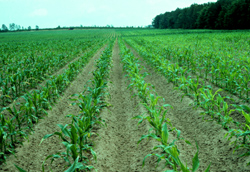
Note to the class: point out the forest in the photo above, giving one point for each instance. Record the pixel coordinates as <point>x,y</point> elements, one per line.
<point>223,14</point>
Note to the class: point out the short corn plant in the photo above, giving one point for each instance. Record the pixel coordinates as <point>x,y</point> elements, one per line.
<point>90,107</point>
<point>156,116</point>
<point>75,135</point>
<point>75,139</point>
<point>170,152</point>
<point>215,106</point>
<point>6,143</point>
<point>241,135</point>
<point>209,103</point>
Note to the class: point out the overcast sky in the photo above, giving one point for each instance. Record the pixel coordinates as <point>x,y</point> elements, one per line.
<point>51,13</point>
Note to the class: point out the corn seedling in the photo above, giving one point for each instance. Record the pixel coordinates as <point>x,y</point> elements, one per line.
<point>156,116</point>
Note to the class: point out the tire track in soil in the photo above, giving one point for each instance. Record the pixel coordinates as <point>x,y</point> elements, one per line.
<point>30,156</point>
<point>116,146</point>
<point>209,135</point>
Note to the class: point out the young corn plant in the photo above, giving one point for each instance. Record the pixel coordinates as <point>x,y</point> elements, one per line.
<point>209,101</point>
<point>226,118</point>
<point>170,153</point>
<point>75,142</point>
<point>36,102</point>
<point>194,87</point>
<point>89,108</point>
<point>241,135</point>
<point>75,136</point>
<point>5,147</point>
<point>156,116</point>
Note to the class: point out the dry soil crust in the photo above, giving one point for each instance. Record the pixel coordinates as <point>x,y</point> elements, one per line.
<point>209,135</point>
<point>30,156</point>
<point>116,147</point>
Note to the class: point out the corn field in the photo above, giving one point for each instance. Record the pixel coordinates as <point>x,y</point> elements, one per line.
<point>125,100</point>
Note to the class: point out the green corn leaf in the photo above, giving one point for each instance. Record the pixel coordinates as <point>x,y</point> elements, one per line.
<point>178,133</point>
<point>165,134</point>
<point>20,169</point>
<point>137,117</point>
<point>168,105</point>
<point>196,161</point>
<point>93,153</point>
<point>208,168</point>
<point>74,135</point>
<point>247,117</point>
<point>217,92</point>
<point>49,135</point>
<point>143,162</point>
<point>184,168</point>
<point>45,137</point>
<point>248,127</point>
<point>174,153</point>
<point>148,136</point>
<point>75,165</point>
<point>73,149</point>
<point>246,108</point>
<point>188,142</point>
<point>53,156</point>
<point>64,129</point>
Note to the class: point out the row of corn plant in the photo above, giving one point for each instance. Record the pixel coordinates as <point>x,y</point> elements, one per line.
<point>240,137</point>
<point>227,72</point>
<point>17,78</point>
<point>17,121</point>
<point>76,136</point>
<point>212,102</point>
<point>156,116</point>
<point>16,55</point>
<point>203,95</point>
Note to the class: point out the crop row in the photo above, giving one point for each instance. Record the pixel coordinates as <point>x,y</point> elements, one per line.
<point>76,136</point>
<point>15,56</point>
<point>16,125</point>
<point>17,78</point>
<point>156,115</point>
<point>222,69</point>
<point>212,102</point>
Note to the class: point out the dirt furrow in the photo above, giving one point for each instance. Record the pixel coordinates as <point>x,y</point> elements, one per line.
<point>209,135</point>
<point>42,83</point>
<point>116,146</point>
<point>30,156</point>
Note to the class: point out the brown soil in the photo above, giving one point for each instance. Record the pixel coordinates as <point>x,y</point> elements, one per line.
<point>209,135</point>
<point>116,147</point>
<point>42,83</point>
<point>31,155</point>
<point>116,144</point>
<point>236,115</point>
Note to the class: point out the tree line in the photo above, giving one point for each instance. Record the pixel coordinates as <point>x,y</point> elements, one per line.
<point>15,27</point>
<point>223,14</point>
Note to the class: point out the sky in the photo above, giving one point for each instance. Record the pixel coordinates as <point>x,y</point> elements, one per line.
<point>52,13</point>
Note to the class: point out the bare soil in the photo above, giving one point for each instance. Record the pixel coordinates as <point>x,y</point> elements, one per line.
<point>42,83</point>
<point>213,148</point>
<point>31,155</point>
<point>116,144</point>
<point>116,147</point>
